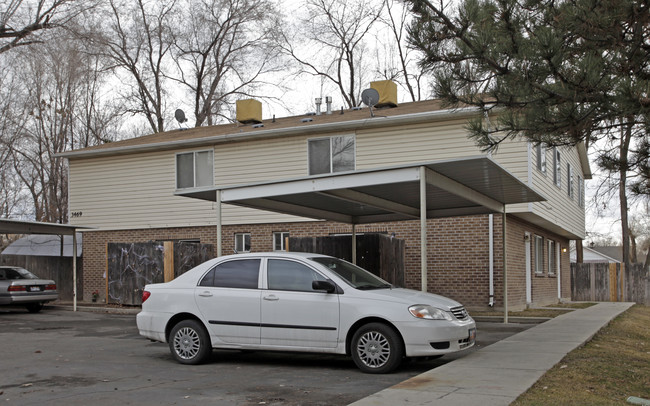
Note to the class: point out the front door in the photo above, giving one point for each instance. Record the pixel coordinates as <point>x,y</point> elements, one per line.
<point>295,315</point>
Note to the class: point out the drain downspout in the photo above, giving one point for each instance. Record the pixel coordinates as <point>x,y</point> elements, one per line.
<point>491,261</point>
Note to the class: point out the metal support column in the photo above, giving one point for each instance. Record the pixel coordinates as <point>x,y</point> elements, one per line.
<point>219,223</point>
<point>354,243</point>
<point>423,227</point>
<point>505,270</point>
<point>74,269</point>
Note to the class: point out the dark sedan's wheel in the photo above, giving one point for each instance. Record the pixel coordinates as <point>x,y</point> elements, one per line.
<point>34,307</point>
<point>377,349</point>
<point>189,342</point>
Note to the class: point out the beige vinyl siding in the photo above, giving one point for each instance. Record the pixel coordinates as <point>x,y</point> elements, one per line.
<point>559,209</point>
<point>248,162</point>
<point>137,191</point>
<point>413,144</point>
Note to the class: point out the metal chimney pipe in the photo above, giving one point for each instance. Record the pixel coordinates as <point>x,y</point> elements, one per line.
<point>319,101</point>
<point>328,100</point>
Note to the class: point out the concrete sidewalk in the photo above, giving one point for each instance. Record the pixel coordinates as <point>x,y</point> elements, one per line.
<point>499,373</point>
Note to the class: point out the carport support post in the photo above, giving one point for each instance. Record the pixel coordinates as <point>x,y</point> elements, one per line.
<point>505,269</point>
<point>423,227</point>
<point>354,243</point>
<point>218,223</point>
<point>74,269</point>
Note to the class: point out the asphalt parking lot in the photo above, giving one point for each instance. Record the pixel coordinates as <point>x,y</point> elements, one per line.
<point>59,357</point>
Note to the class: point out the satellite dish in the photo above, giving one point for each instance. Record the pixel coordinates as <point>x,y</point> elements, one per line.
<point>180,116</point>
<point>370,97</point>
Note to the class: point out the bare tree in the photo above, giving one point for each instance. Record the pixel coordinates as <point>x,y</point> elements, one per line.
<point>23,22</point>
<point>334,39</point>
<point>224,49</point>
<point>51,114</point>
<point>400,63</point>
<point>137,37</point>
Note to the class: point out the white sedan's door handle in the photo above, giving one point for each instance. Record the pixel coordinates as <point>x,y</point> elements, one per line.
<point>205,293</point>
<point>271,297</point>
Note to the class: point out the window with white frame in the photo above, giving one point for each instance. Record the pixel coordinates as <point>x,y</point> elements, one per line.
<point>581,192</point>
<point>331,154</point>
<point>569,179</point>
<point>242,242</point>
<point>552,257</point>
<point>539,254</point>
<point>194,169</point>
<point>279,240</point>
<point>557,167</point>
<point>541,158</point>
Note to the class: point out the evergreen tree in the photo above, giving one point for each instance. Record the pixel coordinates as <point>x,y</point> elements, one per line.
<point>557,72</point>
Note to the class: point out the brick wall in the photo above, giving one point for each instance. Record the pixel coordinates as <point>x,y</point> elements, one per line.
<point>458,257</point>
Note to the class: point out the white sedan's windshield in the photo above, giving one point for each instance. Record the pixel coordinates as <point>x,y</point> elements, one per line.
<point>357,277</point>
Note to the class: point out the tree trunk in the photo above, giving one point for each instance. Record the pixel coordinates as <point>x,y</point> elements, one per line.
<point>626,136</point>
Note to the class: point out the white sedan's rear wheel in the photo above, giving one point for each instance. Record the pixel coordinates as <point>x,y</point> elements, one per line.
<point>189,342</point>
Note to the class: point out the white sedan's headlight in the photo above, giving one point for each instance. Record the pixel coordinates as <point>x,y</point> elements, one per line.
<point>429,312</point>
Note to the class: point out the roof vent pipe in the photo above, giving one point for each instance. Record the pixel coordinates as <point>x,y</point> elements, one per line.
<point>319,101</point>
<point>328,100</point>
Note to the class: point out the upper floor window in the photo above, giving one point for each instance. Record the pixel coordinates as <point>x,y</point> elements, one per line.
<point>541,158</point>
<point>569,179</point>
<point>194,169</point>
<point>279,241</point>
<point>557,167</point>
<point>331,154</point>
<point>581,192</point>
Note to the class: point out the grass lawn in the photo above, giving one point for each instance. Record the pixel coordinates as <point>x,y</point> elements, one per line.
<point>553,311</point>
<point>614,365</point>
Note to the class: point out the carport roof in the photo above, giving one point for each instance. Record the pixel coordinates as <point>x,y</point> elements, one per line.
<point>475,185</point>
<point>8,226</point>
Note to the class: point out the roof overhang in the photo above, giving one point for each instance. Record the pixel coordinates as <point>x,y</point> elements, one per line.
<point>476,185</point>
<point>8,226</point>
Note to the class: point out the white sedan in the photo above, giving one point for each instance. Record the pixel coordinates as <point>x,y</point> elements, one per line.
<point>300,302</point>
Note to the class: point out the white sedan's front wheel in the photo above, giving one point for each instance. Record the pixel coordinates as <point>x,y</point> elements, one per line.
<point>377,348</point>
<point>189,342</point>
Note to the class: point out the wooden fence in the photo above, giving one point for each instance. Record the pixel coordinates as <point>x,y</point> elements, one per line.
<point>610,283</point>
<point>130,266</point>
<point>377,253</point>
<point>58,269</point>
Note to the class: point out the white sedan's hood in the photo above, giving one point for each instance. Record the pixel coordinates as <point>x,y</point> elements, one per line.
<point>411,297</point>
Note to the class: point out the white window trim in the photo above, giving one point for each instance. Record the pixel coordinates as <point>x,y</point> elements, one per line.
<point>243,242</point>
<point>538,255</point>
<point>570,181</point>
<point>194,153</point>
<point>557,167</point>
<point>552,257</point>
<point>283,235</point>
<point>541,158</point>
<point>331,154</point>
<point>581,192</point>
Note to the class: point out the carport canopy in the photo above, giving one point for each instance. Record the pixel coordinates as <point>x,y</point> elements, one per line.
<point>8,226</point>
<point>458,187</point>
